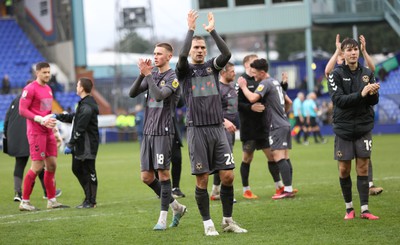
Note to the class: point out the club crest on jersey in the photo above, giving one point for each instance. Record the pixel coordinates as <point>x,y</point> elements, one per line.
<point>209,70</point>
<point>260,87</point>
<point>175,83</point>
<point>365,79</point>
<point>24,94</point>
<point>162,83</point>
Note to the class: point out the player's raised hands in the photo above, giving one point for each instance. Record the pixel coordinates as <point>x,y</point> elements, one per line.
<point>338,43</point>
<point>145,66</point>
<point>191,19</point>
<point>363,43</point>
<point>211,22</point>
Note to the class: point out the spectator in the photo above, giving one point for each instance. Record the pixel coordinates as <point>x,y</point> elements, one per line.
<point>9,8</point>
<point>6,86</point>
<point>54,85</point>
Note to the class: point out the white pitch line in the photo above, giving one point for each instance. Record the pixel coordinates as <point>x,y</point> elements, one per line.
<point>58,218</point>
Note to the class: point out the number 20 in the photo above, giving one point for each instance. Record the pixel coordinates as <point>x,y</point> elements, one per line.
<point>229,159</point>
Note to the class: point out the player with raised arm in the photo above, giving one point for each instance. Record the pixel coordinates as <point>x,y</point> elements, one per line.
<point>337,58</point>
<point>354,92</point>
<point>155,153</point>
<point>209,150</point>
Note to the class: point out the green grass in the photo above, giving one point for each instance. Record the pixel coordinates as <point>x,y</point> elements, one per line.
<point>127,209</point>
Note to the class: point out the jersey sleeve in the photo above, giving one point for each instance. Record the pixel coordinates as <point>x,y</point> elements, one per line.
<point>262,88</point>
<point>82,120</point>
<point>339,98</point>
<point>25,102</point>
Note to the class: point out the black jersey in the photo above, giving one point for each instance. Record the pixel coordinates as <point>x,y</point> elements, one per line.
<point>353,115</point>
<point>159,114</point>
<point>252,124</point>
<point>200,87</point>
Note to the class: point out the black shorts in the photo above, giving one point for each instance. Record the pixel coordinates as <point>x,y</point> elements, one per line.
<point>155,152</point>
<point>176,152</point>
<point>251,145</point>
<point>313,122</point>
<point>298,121</point>
<point>347,150</point>
<point>209,150</point>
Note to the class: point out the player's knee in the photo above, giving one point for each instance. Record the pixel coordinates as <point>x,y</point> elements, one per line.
<point>227,178</point>
<point>247,157</point>
<point>362,171</point>
<point>344,171</point>
<point>147,178</point>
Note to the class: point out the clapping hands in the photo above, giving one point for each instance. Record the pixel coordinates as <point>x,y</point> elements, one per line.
<point>145,66</point>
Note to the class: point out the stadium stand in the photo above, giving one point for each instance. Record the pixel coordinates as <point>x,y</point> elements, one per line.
<point>67,100</point>
<point>17,52</point>
<point>5,101</point>
<point>389,103</point>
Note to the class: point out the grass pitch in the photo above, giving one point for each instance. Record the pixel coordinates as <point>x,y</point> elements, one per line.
<point>127,209</point>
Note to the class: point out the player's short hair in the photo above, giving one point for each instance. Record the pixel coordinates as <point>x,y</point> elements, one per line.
<point>260,64</point>
<point>229,64</point>
<point>167,46</point>
<point>86,84</point>
<point>348,43</point>
<point>249,57</point>
<point>195,37</point>
<point>42,65</point>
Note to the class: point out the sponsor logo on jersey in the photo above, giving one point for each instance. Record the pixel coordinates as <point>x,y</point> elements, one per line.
<point>175,83</point>
<point>346,79</point>
<point>365,79</point>
<point>260,87</point>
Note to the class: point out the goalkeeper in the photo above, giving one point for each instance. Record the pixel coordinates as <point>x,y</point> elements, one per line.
<point>35,105</point>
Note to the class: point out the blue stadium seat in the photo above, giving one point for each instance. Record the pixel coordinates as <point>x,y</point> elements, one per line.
<point>17,52</point>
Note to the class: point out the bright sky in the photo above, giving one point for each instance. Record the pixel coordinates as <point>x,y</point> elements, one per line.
<point>169,18</point>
